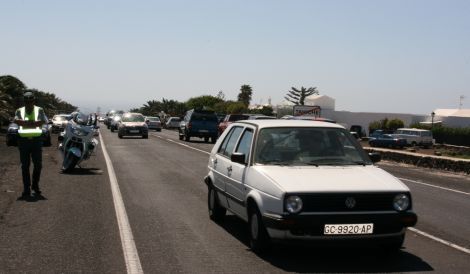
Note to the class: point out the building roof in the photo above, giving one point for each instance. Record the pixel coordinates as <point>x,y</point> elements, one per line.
<point>453,112</point>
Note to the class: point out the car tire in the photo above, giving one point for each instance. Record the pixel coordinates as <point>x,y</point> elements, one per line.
<point>206,139</point>
<point>145,136</point>
<point>213,139</point>
<point>159,129</point>
<point>259,238</point>
<point>216,211</point>
<point>394,244</point>
<point>112,129</point>
<point>187,137</point>
<point>120,136</point>
<point>181,137</point>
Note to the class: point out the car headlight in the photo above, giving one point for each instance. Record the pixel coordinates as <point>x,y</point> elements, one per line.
<point>79,132</point>
<point>401,202</point>
<point>293,204</point>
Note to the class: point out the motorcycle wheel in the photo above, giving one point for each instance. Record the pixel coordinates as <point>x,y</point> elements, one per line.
<point>70,161</point>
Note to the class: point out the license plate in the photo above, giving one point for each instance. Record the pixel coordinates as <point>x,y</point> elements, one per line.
<point>133,131</point>
<point>203,130</point>
<point>347,229</point>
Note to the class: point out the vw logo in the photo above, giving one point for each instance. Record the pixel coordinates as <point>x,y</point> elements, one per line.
<point>350,202</point>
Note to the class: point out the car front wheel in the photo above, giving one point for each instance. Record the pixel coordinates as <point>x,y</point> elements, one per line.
<point>259,238</point>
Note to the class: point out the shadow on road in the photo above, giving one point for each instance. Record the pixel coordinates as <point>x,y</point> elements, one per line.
<point>84,171</point>
<point>32,199</point>
<point>311,258</point>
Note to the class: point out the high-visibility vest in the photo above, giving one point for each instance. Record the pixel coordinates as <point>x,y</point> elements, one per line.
<point>29,132</point>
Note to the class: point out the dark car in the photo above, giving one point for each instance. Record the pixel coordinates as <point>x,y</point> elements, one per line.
<point>199,123</point>
<point>12,135</point>
<point>387,140</point>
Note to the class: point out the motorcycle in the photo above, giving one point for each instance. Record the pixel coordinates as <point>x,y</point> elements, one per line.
<point>77,141</point>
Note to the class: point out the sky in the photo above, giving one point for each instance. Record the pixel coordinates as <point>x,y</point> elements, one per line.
<point>401,56</point>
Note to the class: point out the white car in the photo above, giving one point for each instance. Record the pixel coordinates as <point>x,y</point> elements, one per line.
<point>305,180</point>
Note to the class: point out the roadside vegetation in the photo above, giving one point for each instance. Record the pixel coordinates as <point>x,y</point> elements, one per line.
<point>11,98</point>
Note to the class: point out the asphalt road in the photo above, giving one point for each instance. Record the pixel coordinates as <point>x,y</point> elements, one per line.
<point>160,179</point>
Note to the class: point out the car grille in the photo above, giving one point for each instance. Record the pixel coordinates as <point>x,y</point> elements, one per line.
<point>339,202</point>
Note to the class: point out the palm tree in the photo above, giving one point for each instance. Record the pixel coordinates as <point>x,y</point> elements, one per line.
<point>245,94</point>
<point>297,96</point>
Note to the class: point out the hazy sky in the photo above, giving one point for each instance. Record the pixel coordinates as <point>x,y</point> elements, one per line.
<point>405,56</point>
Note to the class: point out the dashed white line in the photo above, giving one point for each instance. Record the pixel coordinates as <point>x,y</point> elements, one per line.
<point>422,233</point>
<point>440,187</point>
<point>417,231</point>
<point>131,256</point>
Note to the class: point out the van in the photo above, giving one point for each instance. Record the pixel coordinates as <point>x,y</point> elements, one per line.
<point>415,137</point>
<point>199,123</point>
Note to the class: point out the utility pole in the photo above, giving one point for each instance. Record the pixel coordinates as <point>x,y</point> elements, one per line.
<point>461,101</point>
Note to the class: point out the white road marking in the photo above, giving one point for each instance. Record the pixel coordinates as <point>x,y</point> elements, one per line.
<point>440,187</point>
<point>127,239</point>
<point>422,233</point>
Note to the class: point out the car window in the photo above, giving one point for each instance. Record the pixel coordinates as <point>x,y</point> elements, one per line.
<point>225,141</point>
<point>245,143</point>
<point>231,141</point>
<point>204,117</point>
<point>153,119</point>
<point>133,118</point>
<point>237,117</point>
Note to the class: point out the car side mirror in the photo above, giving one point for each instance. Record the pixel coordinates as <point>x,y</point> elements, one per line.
<point>238,157</point>
<point>375,157</point>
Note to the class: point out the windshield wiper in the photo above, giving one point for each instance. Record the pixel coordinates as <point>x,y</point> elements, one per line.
<point>276,162</point>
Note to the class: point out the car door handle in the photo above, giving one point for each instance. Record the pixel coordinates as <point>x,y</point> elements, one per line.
<point>214,162</point>
<point>229,171</point>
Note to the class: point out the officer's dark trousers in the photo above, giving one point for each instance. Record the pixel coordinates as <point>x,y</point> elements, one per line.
<point>30,149</point>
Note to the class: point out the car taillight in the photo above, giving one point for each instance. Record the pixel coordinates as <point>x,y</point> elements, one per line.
<point>190,125</point>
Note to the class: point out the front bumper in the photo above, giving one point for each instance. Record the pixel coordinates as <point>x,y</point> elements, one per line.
<point>311,225</point>
<point>128,131</point>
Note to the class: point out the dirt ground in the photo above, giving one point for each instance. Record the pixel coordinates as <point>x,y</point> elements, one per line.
<point>11,185</point>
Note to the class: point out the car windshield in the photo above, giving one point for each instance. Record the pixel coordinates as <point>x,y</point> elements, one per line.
<point>59,118</point>
<point>154,119</point>
<point>314,146</point>
<point>132,118</point>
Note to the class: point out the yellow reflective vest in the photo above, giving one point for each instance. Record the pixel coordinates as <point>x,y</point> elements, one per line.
<point>29,132</point>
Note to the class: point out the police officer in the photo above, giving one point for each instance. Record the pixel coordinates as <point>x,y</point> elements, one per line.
<point>30,119</point>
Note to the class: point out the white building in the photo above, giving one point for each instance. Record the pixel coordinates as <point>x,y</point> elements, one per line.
<point>452,117</point>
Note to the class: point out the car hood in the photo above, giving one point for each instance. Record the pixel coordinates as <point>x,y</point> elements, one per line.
<point>332,179</point>
<point>133,124</point>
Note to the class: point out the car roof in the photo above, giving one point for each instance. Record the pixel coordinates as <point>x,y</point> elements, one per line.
<point>287,123</point>
<point>413,129</point>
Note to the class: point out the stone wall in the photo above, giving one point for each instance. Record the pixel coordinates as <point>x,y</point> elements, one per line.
<point>435,162</point>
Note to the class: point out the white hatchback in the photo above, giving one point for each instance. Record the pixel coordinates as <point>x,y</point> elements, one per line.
<point>305,180</point>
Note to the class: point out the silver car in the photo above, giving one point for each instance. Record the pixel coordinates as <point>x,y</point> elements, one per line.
<point>153,123</point>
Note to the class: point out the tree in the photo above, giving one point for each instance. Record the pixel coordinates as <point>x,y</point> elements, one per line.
<point>245,94</point>
<point>12,89</point>
<point>395,124</point>
<point>221,95</point>
<point>203,102</point>
<point>236,108</point>
<point>297,96</point>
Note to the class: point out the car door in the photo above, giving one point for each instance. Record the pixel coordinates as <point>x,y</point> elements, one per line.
<point>222,163</point>
<point>235,185</point>
<point>219,163</point>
